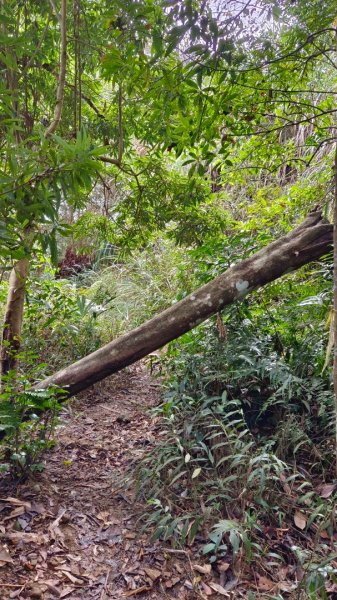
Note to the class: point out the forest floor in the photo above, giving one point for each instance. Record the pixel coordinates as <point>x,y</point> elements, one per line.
<point>74,531</point>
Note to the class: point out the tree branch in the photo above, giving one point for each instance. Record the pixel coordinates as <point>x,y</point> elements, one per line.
<point>291,124</point>
<point>110,161</point>
<point>57,14</point>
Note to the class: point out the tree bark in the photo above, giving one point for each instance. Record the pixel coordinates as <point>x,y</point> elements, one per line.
<point>309,241</point>
<point>12,325</point>
<point>334,322</point>
<point>11,335</point>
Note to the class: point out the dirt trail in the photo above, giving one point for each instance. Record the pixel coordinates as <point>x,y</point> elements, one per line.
<point>74,531</point>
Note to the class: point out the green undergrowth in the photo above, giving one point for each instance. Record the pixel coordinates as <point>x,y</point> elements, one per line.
<point>66,319</point>
<point>248,412</point>
<point>248,450</point>
<point>28,419</point>
<point>135,288</point>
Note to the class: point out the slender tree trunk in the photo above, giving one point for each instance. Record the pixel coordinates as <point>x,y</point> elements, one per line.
<point>335,295</point>
<point>11,335</point>
<point>309,241</point>
<point>62,74</point>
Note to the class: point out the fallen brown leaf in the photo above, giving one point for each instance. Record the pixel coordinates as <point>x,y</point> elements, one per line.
<point>265,584</point>
<point>5,557</point>
<point>71,577</point>
<point>285,586</point>
<point>170,583</point>
<point>27,538</point>
<point>206,589</point>
<point>327,490</point>
<point>219,589</point>
<point>140,590</point>
<point>16,593</point>
<point>66,592</point>
<point>20,510</point>
<point>17,502</point>
<point>300,520</point>
<point>58,519</point>
<point>324,534</point>
<point>152,573</point>
<point>204,569</point>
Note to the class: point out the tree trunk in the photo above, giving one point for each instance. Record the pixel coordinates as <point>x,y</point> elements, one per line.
<point>334,318</point>
<point>309,241</point>
<point>12,325</point>
<point>62,74</point>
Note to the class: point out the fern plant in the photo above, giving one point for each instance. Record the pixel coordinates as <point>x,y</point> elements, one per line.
<point>27,421</point>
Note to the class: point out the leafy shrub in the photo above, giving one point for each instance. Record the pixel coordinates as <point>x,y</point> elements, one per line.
<point>208,460</point>
<point>278,374</point>
<point>27,422</point>
<point>248,415</point>
<point>60,321</point>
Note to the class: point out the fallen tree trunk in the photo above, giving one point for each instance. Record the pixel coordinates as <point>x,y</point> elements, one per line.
<point>309,241</point>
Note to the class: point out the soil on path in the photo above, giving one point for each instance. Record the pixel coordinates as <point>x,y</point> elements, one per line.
<point>74,531</point>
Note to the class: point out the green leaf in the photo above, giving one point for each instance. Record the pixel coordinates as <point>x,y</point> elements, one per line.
<point>208,548</point>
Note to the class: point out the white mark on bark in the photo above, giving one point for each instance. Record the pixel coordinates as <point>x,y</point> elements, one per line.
<point>242,287</point>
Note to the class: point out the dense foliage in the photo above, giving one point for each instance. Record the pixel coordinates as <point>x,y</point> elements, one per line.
<point>190,135</point>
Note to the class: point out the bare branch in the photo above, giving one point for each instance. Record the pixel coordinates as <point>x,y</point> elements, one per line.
<point>57,14</point>
<point>110,161</point>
